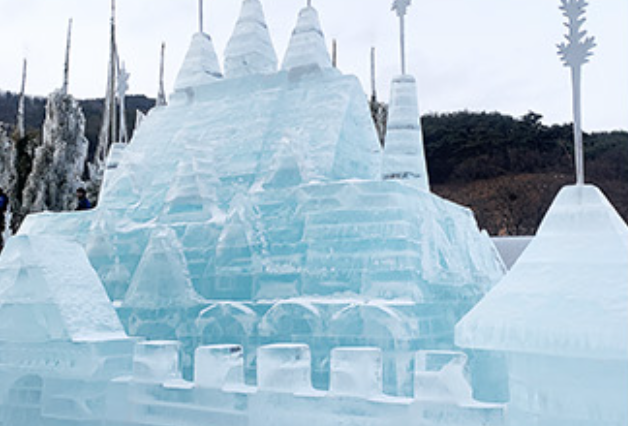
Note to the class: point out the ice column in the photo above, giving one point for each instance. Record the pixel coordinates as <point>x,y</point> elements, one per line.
<point>200,65</point>
<point>250,49</point>
<point>404,154</point>
<point>307,45</point>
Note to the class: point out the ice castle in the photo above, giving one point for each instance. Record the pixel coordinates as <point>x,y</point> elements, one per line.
<point>256,258</point>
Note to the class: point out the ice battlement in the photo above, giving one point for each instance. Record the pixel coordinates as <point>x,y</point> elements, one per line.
<point>284,374</point>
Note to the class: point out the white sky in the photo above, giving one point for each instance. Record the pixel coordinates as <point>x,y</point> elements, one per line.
<point>494,55</point>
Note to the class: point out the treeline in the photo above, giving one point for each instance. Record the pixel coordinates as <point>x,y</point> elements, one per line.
<point>508,170</point>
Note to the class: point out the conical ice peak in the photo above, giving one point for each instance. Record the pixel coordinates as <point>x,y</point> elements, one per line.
<point>200,66</point>
<point>250,49</point>
<point>307,46</point>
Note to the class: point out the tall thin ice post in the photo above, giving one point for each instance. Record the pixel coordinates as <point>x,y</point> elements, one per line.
<point>200,16</point>
<point>574,54</point>
<point>161,95</point>
<point>66,68</point>
<point>401,7</point>
<point>21,128</point>
<point>373,77</point>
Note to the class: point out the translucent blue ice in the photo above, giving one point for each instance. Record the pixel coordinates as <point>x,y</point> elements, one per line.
<point>248,235</point>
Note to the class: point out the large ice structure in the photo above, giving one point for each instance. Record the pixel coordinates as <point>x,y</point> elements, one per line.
<point>561,316</point>
<point>252,211</point>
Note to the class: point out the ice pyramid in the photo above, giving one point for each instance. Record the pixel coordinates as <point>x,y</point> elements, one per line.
<point>49,292</point>
<point>561,315</point>
<point>250,50</point>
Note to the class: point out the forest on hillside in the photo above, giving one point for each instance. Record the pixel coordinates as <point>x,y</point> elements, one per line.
<point>507,169</point>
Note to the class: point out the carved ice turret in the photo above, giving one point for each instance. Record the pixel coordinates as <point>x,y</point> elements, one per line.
<point>250,49</point>
<point>307,45</point>
<point>200,65</point>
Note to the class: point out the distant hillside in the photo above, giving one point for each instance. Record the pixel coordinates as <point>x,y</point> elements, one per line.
<point>506,169</point>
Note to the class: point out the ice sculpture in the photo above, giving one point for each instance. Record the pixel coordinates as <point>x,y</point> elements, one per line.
<point>249,218</point>
<point>561,316</point>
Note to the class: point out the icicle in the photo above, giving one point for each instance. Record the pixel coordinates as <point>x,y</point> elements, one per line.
<point>66,69</point>
<point>21,128</point>
<point>161,96</point>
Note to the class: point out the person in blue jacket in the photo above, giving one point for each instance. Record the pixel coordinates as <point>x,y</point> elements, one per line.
<point>83,201</point>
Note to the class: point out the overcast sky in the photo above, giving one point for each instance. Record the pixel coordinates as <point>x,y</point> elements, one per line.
<point>494,55</point>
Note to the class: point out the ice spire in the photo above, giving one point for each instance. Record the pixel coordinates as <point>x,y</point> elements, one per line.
<point>123,88</point>
<point>307,45</point>
<point>200,65</point>
<point>66,69</point>
<point>108,129</point>
<point>404,154</point>
<point>401,7</point>
<point>575,53</point>
<point>161,96</point>
<point>250,49</point>
<point>21,130</point>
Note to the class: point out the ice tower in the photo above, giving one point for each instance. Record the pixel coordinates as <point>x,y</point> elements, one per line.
<point>251,212</point>
<point>560,315</point>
